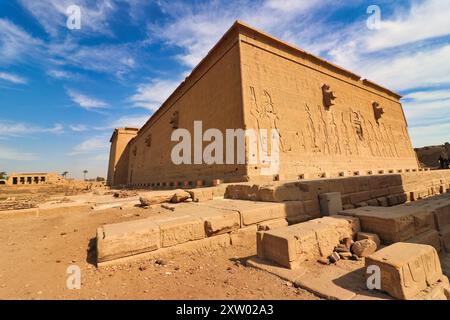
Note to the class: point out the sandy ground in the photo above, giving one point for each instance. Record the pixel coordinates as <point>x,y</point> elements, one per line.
<point>36,252</point>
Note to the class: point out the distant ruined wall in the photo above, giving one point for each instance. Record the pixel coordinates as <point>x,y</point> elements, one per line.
<point>283,90</point>
<point>429,156</point>
<point>212,94</point>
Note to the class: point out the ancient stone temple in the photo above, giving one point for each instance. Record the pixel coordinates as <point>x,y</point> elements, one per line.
<point>331,122</point>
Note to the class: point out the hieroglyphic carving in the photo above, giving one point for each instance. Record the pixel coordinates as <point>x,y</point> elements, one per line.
<point>346,135</point>
<point>335,134</point>
<point>323,132</point>
<point>310,125</point>
<point>266,116</point>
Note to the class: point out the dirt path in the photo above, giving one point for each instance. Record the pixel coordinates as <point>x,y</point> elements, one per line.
<point>36,251</point>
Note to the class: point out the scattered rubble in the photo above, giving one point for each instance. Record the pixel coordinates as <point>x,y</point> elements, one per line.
<point>364,248</point>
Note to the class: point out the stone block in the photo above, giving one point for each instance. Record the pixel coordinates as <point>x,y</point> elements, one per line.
<point>291,246</point>
<point>272,224</point>
<point>393,224</point>
<point>126,239</point>
<point>245,237</point>
<point>406,268</point>
<point>216,221</point>
<point>180,229</point>
<point>253,212</point>
<point>430,238</point>
<point>201,195</point>
<point>445,238</point>
<point>330,203</point>
<point>294,191</point>
<point>359,197</point>
<point>442,216</point>
<point>383,202</point>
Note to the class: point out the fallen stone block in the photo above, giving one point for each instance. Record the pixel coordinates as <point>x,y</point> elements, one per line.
<point>158,197</point>
<point>364,248</point>
<point>291,246</point>
<point>127,239</point>
<point>202,194</point>
<point>406,268</point>
<point>330,203</point>
<point>371,236</point>
<point>180,196</point>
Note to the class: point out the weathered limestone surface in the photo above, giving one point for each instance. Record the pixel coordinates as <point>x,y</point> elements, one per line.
<point>406,269</point>
<point>181,229</point>
<point>252,212</point>
<point>316,238</point>
<point>393,224</point>
<point>127,238</point>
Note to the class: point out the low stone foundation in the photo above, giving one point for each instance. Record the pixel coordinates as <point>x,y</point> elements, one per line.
<point>239,219</point>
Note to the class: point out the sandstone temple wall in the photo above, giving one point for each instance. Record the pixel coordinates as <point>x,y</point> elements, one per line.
<point>283,89</point>
<point>331,122</point>
<point>211,94</point>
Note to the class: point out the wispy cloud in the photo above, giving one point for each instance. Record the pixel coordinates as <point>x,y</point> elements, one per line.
<point>92,145</point>
<point>10,128</point>
<point>85,101</point>
<point>52,15</point>
<point>12,78</point>
<point>16,45</point>
<point>198,27</point>
<point>16,155</point>
<point>79,127</point>
<point>425,20</point>
<point>151,95</point>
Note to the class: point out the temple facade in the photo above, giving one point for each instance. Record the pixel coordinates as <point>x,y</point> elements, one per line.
<point>330,121</point>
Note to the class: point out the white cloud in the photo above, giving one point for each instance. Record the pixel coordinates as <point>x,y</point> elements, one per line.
<point>78,127</point>
<point>425,68</point>
<point>429,95</point>
<point>425,20</point>
<point>91,145</point>
<point>196,29</point>
<point>62,75</point>
<point>85,101</point>
<point>130,121</point>
<point>15,155</point>
<point>16,45</point>
<point>51,14</point>
<point>12,78</point>
<point>9,128</point>
<point>150,96</point>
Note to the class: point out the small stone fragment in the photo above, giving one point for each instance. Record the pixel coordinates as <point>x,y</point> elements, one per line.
<point>364,248</point>
<point>335,257</point>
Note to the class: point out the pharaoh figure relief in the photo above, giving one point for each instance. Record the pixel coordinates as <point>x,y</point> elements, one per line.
<point>266,116</point>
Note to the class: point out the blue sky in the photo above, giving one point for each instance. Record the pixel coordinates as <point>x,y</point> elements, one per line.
<point>63,91</point>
